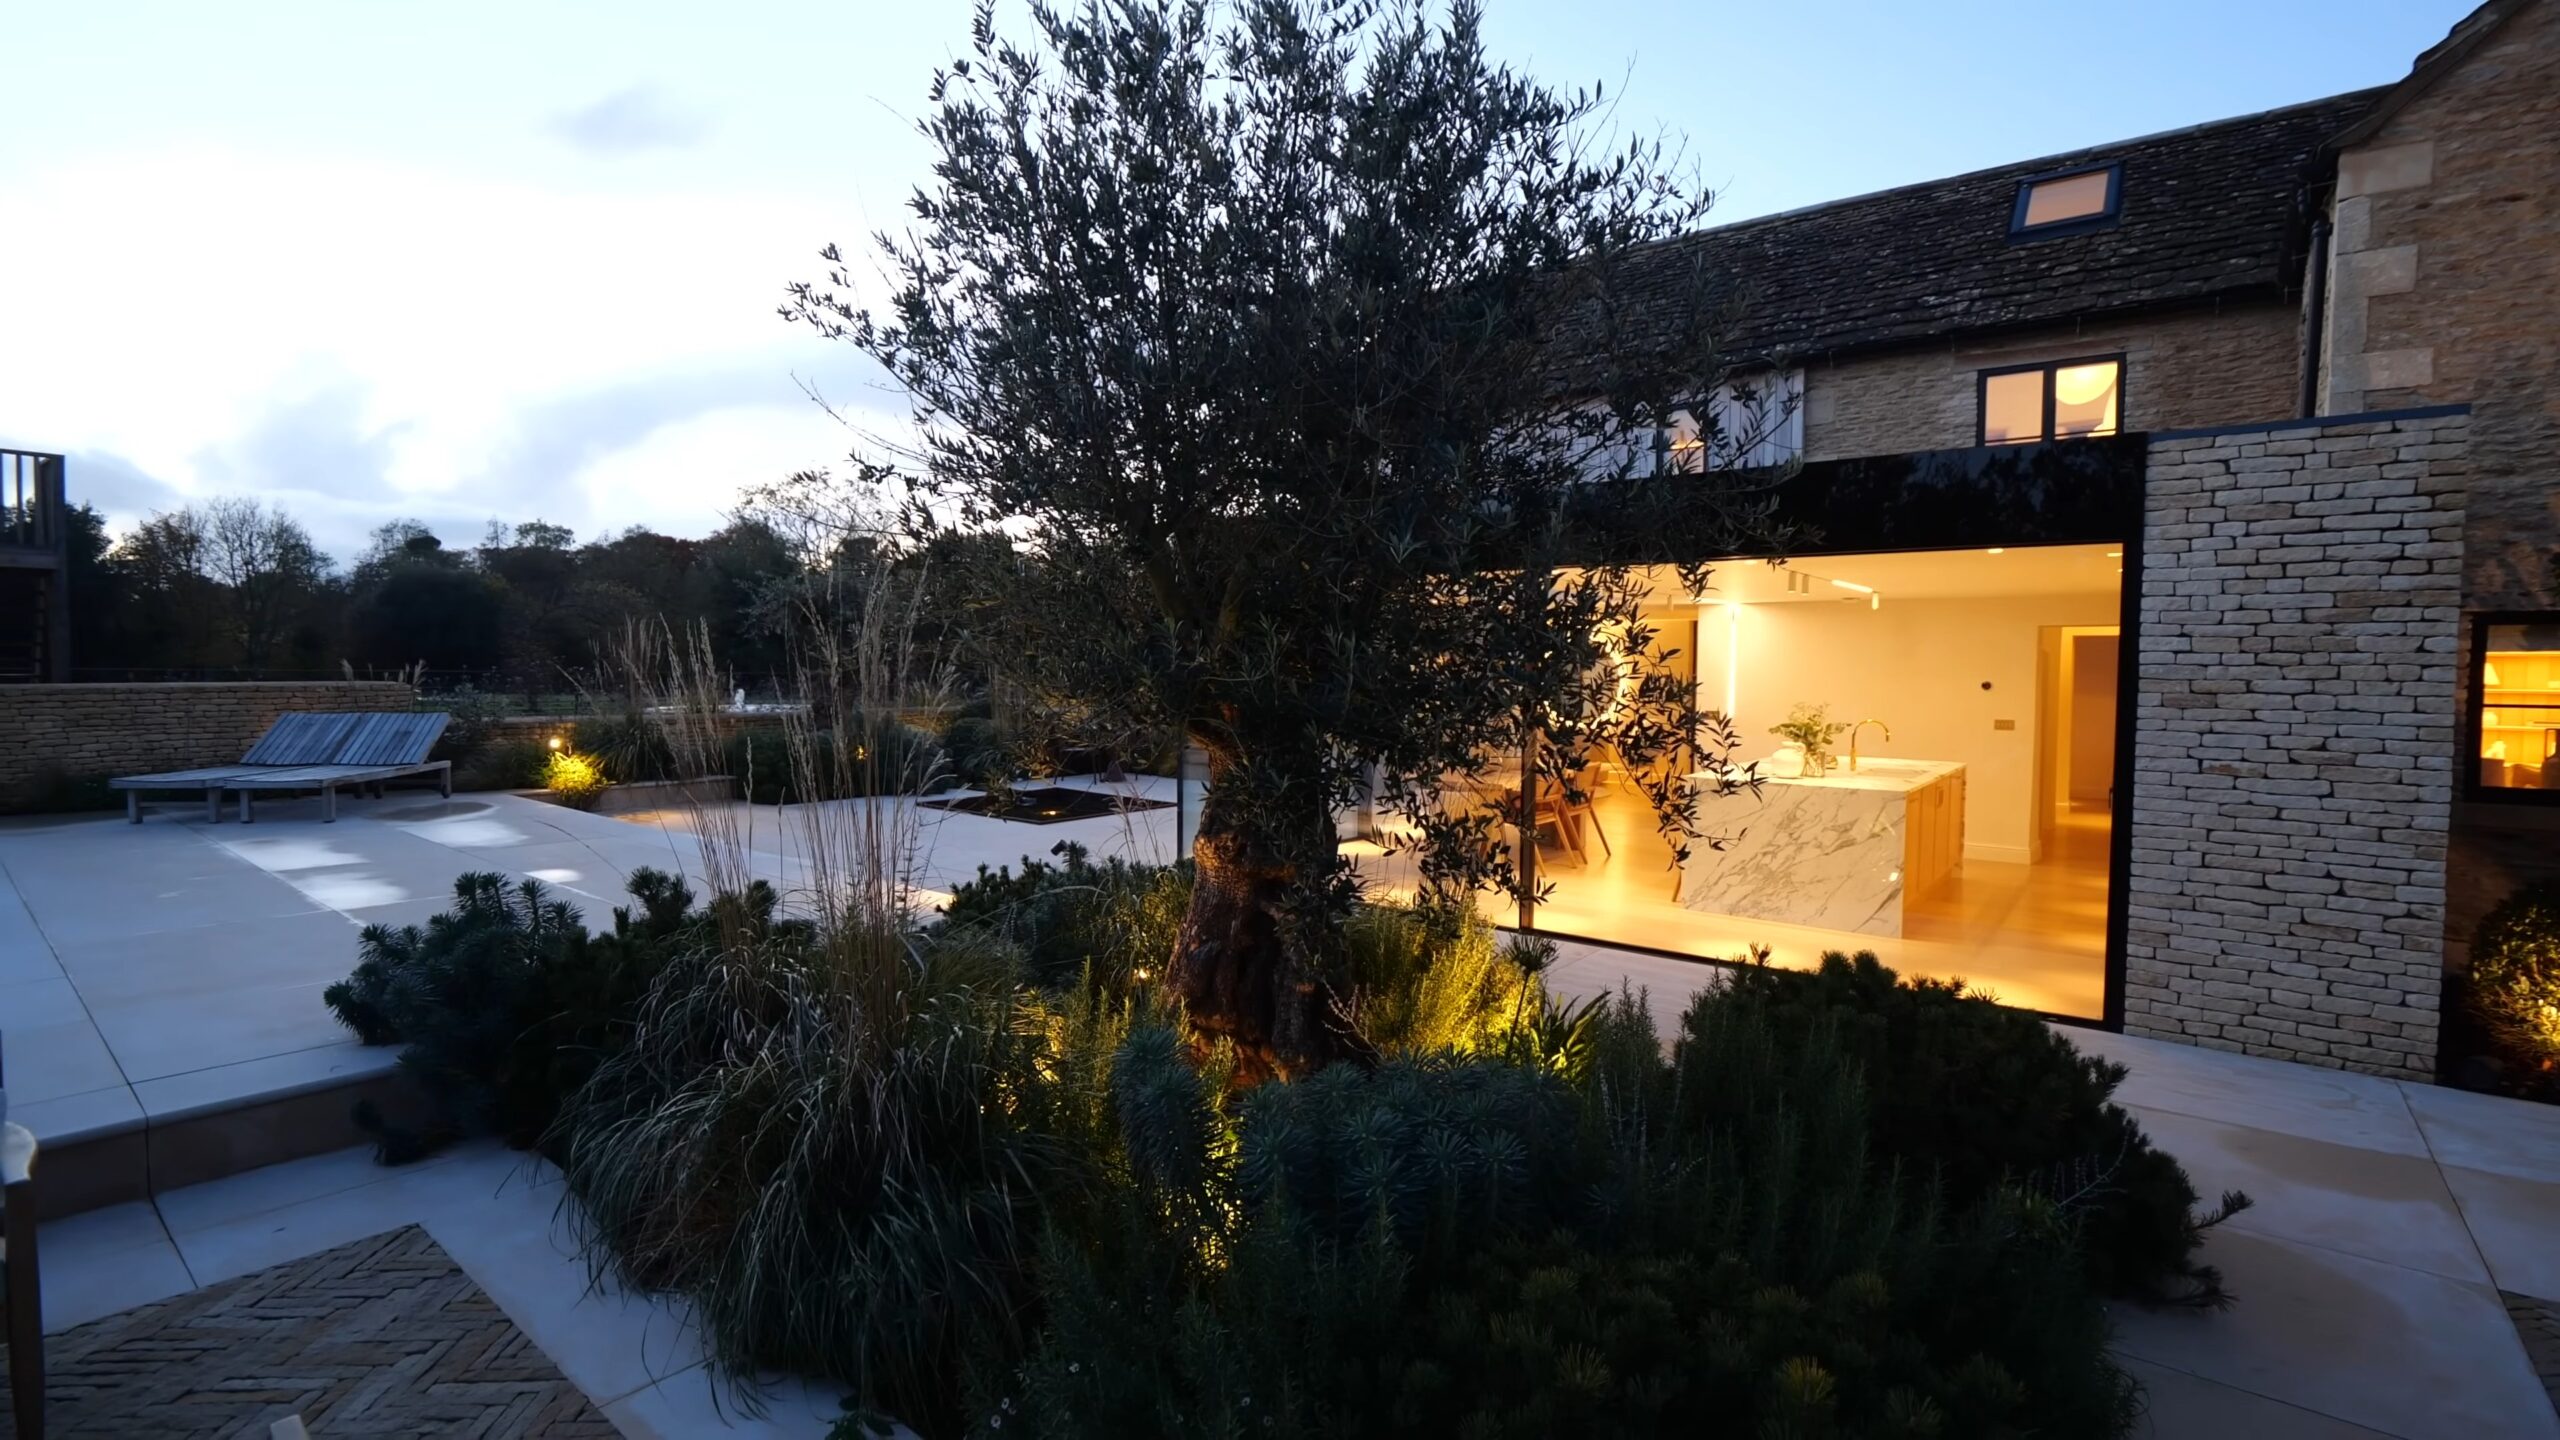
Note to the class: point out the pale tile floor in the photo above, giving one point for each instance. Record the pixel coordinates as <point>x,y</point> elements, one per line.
<point>2029,935</point>
<point>2389,1215</point>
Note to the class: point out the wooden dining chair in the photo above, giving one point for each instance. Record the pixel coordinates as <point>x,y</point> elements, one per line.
<point>1554,817</point>
<point>1586,783</point>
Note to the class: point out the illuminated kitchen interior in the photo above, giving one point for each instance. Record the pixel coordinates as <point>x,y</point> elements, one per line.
<point>1977,691</point>
<point>2520,707</point>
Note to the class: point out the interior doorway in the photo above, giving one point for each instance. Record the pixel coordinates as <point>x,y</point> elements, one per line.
<point>2076,675</point>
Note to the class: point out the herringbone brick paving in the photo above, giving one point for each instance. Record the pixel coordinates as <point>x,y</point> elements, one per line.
<point>383,1337</point>
<point>2538,1325</point>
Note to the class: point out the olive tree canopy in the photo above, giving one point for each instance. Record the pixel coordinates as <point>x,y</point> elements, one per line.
<point>1288,336</point>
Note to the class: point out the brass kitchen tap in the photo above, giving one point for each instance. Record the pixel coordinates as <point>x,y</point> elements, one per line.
<point>1853,739</point>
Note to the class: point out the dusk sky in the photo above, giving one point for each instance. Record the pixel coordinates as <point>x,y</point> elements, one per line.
<point>465,260</point>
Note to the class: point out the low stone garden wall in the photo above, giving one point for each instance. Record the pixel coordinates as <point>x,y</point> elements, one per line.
<point>53,737</point>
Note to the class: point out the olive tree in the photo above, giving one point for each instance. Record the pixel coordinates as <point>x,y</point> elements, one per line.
<point>1293,340</point>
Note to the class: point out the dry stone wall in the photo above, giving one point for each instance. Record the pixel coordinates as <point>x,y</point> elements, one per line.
<point>2295,739</point>
<point>76,732</point>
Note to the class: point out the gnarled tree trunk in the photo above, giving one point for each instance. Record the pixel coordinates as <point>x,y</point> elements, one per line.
<point>1241,968</point>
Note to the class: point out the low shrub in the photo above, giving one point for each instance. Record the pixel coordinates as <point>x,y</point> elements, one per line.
<point>61,792</point>
<point>980,751</point>
<point>1456,1247</point>
<point>2511,989</point>
<point>628,745</point>
<point>1433,979</point>
<point>1114,922</point>
<point>1985,1097</point>
<point>892,758</point>
<point>505,1003</point>
<point>472,722</point>
<point>509,762</point>
<point>575,779</point>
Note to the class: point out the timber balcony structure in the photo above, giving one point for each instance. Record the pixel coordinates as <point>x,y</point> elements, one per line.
<point>35,608</point>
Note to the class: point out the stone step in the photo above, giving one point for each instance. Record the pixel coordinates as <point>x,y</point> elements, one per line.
<point>96,1151</point>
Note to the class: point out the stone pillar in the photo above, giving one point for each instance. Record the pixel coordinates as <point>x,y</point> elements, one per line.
<point>2295,738</point>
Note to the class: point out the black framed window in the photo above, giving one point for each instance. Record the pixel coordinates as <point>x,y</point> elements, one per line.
<point>2054,400</point>
<point>2515,706</point>
<point>2067,202</point>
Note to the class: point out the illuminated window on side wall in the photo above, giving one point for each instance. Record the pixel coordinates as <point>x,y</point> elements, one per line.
<point>2519,688</point>
<point>2052,402</point>
<point>1758,422</point>
<point>2068,203</point>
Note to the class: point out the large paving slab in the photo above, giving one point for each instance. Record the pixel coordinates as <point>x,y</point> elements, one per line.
<point>2387,1347</point>
<point>2372,1203</point>
<point>2364,1112</point>
<point>151,972</point>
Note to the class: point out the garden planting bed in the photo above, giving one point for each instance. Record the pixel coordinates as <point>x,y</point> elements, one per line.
<point>1050,805</point>
<point>628,796</point>
<point>631,797</point>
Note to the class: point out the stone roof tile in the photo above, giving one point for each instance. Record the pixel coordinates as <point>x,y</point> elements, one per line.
<point>2210,212</point>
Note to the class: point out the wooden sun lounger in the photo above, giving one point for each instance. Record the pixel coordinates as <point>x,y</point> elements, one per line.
<point>327,778</point>
<point>209,780</point>
<point>310,752</point>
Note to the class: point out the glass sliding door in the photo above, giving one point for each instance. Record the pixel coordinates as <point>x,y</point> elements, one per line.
<point>1925,746</point>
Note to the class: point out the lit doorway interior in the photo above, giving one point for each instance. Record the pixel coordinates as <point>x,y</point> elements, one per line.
<point>1973,842</point>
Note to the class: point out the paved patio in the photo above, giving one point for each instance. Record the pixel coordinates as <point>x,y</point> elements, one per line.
<point>171,968</point>
<point>157,971</point>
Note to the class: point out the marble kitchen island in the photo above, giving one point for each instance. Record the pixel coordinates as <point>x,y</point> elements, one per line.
<point>1837,852</point>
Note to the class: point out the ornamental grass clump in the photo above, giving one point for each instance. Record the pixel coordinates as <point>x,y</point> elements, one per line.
<point>820,1134</point>
<point>814,1141</point>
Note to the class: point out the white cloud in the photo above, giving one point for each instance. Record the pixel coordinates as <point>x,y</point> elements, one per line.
<point>643,117</point>
<point>683,476</point>
<point>179,301</point>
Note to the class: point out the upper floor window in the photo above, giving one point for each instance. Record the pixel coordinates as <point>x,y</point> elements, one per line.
<point>2054,401</point>
<point>2068,203</point>
<point>1755,421</point>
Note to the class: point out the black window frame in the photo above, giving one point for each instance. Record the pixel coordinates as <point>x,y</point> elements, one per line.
<point>1982,397</point>
<point>2477,703</point>
<point>2105,219</point>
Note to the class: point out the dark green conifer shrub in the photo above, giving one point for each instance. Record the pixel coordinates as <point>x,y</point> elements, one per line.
<point>56,791</point>
<point>1984,1097</point>
<point>981,754</point>
<point>505,1003</point>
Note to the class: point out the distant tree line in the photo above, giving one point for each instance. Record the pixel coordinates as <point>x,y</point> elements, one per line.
<point>235,588</point>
